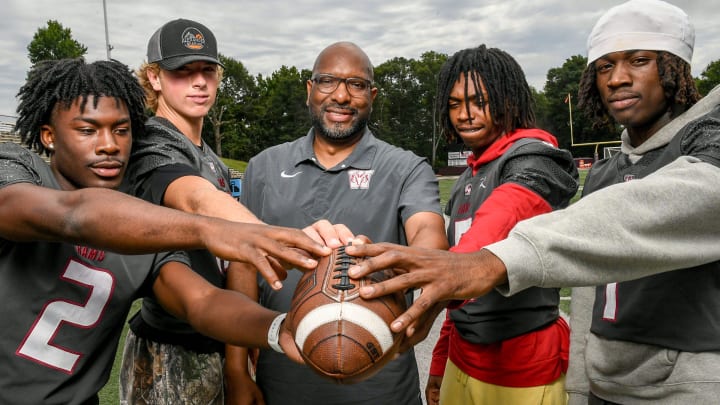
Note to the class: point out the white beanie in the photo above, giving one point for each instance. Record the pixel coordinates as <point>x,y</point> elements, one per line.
<point>651,25</point>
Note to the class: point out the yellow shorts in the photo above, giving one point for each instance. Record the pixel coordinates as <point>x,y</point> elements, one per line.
<point>458,388</point>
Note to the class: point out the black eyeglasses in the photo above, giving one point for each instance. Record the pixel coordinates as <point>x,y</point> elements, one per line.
<point>356,86</point>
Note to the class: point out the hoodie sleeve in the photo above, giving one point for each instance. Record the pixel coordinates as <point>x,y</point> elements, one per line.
<point>623,232</point>
<point>576,382</point>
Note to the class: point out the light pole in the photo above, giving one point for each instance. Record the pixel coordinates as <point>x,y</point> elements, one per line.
<point>568,100</point>
<point>108,47</point>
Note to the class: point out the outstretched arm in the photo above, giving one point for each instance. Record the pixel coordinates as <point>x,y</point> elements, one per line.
<point>640,228</point>
<point>665,221</point>
<point>111,220</point>
<point>425,230</point>
<point>239,384</point>
<point>442,275</point>
<point>196,195</point>
<point>225,315</point>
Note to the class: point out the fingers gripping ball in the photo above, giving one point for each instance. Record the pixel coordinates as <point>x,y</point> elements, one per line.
<point>339,334</point>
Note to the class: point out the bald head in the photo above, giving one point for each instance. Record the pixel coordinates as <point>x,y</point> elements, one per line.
<point>339,109</point>
<point>346,51</point>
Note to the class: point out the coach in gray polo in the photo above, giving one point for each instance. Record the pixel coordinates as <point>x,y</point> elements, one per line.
<point>340,172</point>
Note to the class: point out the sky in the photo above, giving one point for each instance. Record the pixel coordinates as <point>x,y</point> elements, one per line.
<point>265,35</point>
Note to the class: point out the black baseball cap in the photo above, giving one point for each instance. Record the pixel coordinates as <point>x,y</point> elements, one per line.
<point>180,42</point>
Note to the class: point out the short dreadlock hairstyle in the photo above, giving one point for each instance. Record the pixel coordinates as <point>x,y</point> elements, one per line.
<point>59,83</point>
<point>509,97</point>
<point>675,78</point>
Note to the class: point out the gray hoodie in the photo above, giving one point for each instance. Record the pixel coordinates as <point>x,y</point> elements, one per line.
<point>589,243</point>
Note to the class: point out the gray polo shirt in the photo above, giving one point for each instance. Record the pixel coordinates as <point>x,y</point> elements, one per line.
<point>373,191</point>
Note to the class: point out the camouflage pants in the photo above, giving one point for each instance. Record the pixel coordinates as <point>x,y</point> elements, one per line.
<point>160,374</point>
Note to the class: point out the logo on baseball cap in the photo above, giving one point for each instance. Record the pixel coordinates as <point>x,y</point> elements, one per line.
<point>180,42</point>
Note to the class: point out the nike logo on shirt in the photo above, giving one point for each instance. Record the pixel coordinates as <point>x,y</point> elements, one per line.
<point>288,176</point>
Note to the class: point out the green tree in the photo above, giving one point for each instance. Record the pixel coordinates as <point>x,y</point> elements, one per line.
<point>404,109</point>
<point>542,109</point>
<point>427,70</point>
<point>561,82</point>
<point>281,114</point>
<point>54,42</point>
<point>392,107</point>
<point>228,119</point>
<point>709,78</point>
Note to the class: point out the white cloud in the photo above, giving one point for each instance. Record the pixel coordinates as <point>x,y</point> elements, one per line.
<point>266,35</point>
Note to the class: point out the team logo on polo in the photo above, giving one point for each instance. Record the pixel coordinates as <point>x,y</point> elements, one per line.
<point>360,179</point>
<point>193,39</point>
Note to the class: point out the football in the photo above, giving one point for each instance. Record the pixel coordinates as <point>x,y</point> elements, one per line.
<point>339,334</point>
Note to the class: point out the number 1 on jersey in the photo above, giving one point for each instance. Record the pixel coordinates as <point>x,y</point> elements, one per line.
<point>610,308</point>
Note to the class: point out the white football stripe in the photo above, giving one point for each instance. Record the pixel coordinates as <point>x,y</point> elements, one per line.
<point>346,312</point>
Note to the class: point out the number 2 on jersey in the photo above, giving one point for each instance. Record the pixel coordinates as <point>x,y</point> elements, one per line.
<point>38,344</point>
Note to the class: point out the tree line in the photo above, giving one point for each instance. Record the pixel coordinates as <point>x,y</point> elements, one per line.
<point>255,112</point>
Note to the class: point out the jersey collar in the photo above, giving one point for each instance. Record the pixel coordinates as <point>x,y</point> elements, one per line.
<point>361,157</point>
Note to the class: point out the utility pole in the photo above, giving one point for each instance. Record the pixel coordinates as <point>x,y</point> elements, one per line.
<point>108,47</point>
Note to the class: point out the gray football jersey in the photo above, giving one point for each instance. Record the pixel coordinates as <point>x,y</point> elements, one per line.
<point>64,305</point>
<point>164,146</point>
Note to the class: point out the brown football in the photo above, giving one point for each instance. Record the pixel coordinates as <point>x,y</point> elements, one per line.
<point>339,334</point>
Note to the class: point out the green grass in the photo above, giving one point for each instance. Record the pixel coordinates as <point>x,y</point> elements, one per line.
<point>565,299</point>
<point>110,394</point>
<point>446,186</point>
<point>583,174</point>
<point>238,165</point>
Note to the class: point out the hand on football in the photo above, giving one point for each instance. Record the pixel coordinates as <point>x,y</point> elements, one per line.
<point>271,249</point>
<point>441,276</point>
<point>331,235</point>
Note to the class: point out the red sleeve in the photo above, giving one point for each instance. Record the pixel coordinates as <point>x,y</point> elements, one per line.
<point>508,204</point>
<point>440,352</point>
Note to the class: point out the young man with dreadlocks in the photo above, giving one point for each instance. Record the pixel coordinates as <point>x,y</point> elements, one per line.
<point>639,76</point>
<point>66,295</point>
<point>654,340</point>
<point>495,349</point>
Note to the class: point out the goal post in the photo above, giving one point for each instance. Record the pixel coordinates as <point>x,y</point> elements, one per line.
<point>609,151</point>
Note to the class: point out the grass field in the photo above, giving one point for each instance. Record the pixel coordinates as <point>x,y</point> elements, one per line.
<point>238,165</point>
<point>109,394</point>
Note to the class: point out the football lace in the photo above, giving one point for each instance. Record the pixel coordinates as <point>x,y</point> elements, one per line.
<point>342,264</point>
